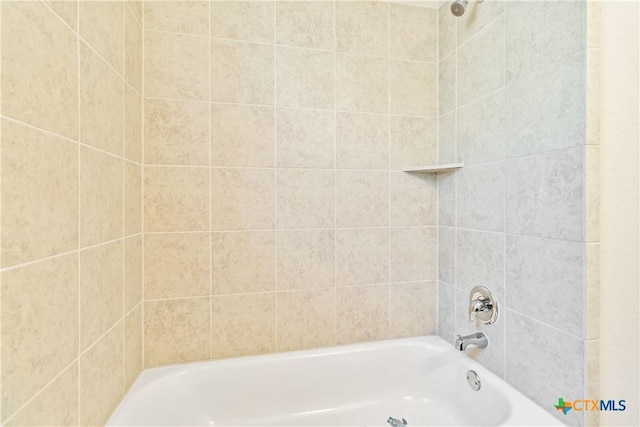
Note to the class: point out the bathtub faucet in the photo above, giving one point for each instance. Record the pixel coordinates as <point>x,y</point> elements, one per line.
<point>477,339</point>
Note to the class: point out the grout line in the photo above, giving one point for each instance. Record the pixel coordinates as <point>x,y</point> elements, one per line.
<point>289,107</point>
<point>275,291</point>
<point>335,175</point>
<point>324,169</point>
<point>455,182</point>
<point>62,254</point>
<point>389,168</point>
<point>438,161</point>
<point>142,191</point>
<point>59,136</point>
<point>533,319</point>
<point>124,200</point>
<point>504,202</point>
<point>79,271</point>
<point>335,51</point>
<point>210,189</point>
<point>275,162</point>
<point>95,51</point>
<point>264,230</point>
<point>133,13</point>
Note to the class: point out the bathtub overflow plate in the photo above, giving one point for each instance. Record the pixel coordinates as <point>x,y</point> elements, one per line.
<point>473,380</point>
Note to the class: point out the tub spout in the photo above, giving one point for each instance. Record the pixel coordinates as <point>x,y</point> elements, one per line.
<point>478,339</point>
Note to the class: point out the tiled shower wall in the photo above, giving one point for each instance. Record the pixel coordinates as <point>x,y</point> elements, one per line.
<point>521,216</point>
<point>276,214</point>
<point>71,209</point>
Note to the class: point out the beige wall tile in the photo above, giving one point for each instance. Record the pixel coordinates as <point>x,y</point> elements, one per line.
<point>101,194</point>
<point>39,326</point>
<point>414,308</point>
<point>132,50</point>
<point>446,194</point>
<point>56,405</point>
<point>101,103</point>
<point>305,319</point>
<point>176,199</point>
<point>133,258</point>
<point>305,24</point>
<point>481,131</point>
<point>362,27</point>
<point>413,88</point>
<point>304,78</point>
<point>362,84</point>
<point>39,194</point>
<point>176,132</point>
<point>136,8</point>
<point>102,378</point>
<point>413,254</point>
<point>242,135</point>
<point>176,265</point>
<point>476,18</point>
<point>30,64</point>
<point>243,262</point>
<point>481,63</point>
<point>132,198</point>
<point>176,66</point>
<point>362,256</point>
<point>306,259</point>
<point>242,72</point>
<point>414,199</point>
<point>362,141</point>
<point>176,331</point>
<point>446,31</point>
<point>413,142</point>
<point>447,138</point>
<point>447,85</point>
<point>243,325</point>
<point>190,17</point>
<point>413,32</point>
<point>362,198</point>
<point>67,10</point>
<point>101,291</point>
<point>305,138</point>
<point>549,30</point>
<point>132,125</point>
<point>305,198</point>
<point>362,313</point>
<point>250,20</point>
<point>101,26</point>
<point>242,199</point>
<point>132,346</point>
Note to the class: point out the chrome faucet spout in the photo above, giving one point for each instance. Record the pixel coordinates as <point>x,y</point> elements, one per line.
<point>478,339</point>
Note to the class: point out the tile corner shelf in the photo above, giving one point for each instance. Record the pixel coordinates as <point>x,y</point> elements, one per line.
<point>435,168</point>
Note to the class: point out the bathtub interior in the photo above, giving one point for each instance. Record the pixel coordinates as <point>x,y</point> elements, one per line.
<point>424,382</point>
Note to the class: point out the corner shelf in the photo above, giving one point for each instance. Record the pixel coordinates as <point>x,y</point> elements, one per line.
<point>435,168</point>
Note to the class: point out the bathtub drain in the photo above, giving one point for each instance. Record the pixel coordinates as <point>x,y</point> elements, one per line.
<point>394,422</point>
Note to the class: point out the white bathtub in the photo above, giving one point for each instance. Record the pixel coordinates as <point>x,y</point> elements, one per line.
<point>422,380</point>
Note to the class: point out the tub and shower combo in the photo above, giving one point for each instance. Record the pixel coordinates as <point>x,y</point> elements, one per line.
<point>415,381</point>
<point>420,381</point>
